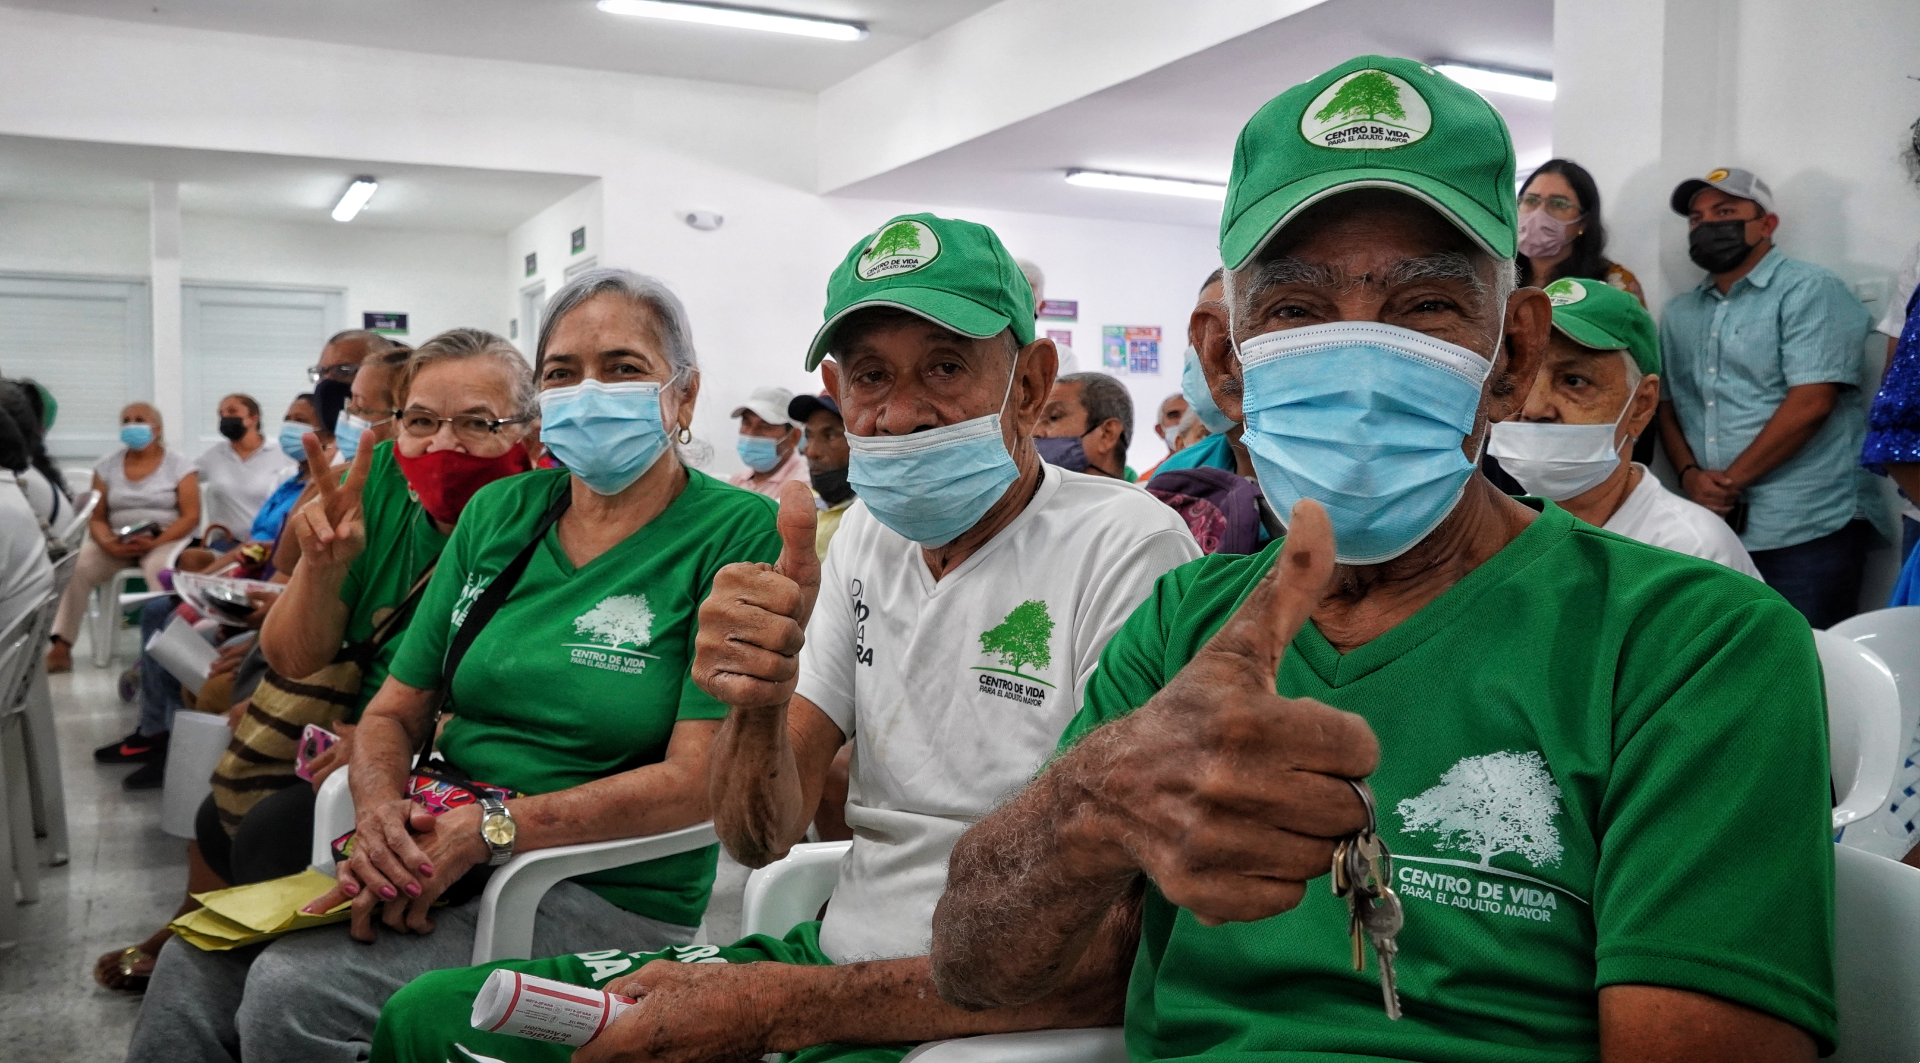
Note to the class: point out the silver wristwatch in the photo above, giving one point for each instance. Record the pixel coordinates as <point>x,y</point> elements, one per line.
<point>497,830</point>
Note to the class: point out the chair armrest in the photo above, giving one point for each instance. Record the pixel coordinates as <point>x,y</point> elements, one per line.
<point>332,817</point>
<point>1098,1044</point>
<point>505,928</point>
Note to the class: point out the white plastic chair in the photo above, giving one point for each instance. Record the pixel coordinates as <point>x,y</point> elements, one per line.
<point>109,612</point>
<point>1876,909</point>
<point>1893,634</point>
<point>1863,725</point>
<point>19,861</point>
<point>70,535</point>
<point>49,795</point>
<point>791,890</point>
<point>512,897</point>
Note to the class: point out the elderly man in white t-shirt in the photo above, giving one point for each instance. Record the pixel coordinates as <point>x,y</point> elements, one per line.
<point>1596,391</point>
<point>949,634</point>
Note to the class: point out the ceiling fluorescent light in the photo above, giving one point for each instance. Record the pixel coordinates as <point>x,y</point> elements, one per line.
<point>1165,186</point>
<point>737,18</point>
<point>1483,79</point>
<point>355,198</point>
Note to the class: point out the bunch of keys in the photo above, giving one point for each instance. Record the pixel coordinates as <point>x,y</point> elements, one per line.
<point>1362,872</point>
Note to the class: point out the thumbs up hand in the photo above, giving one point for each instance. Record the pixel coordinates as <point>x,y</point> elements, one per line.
<point>1228,795</point>
<point>754,621</point>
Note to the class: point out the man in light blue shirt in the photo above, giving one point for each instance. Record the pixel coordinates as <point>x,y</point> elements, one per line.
<point>1763,416</point>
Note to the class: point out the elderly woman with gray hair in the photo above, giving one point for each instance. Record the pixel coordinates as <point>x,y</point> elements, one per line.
<point>574,594</point>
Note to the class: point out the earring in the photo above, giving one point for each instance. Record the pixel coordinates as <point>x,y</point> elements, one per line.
<point>683,436</point>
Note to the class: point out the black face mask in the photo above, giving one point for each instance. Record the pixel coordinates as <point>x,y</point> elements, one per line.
<point>1718,246</point>
<point>1064,451</point>
<point>234,428</point>
<point>831,485</point>
<point>332,395</point>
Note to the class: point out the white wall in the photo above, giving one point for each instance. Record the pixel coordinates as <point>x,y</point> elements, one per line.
<point>548,236</point>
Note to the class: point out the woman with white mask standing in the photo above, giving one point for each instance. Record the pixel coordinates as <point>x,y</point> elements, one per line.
<point>1595,393</point>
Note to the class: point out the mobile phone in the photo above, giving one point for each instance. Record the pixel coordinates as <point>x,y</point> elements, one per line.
<point>231,603</point>
<point>314,740</point>
<point>145,527</point>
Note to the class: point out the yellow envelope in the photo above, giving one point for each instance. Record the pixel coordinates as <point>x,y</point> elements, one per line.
<point>256,912</point>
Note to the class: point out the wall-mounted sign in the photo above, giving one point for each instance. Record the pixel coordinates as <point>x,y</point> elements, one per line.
<point>1061,336</point>
<point>513,329</point>
<point>580,239</point>
<point>1130,348</point>
<point>385,324</point>
<point>533,263</point>
<point>1060,309</point>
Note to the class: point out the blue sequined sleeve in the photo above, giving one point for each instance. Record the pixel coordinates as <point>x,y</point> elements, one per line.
<point>1893,426</point>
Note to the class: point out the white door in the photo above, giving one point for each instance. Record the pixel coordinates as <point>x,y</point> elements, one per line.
<point>533,300</point>
<point>255,341</point>
<point>88,342</point>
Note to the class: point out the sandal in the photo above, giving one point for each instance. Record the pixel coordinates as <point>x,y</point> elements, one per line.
<point>126,971</point>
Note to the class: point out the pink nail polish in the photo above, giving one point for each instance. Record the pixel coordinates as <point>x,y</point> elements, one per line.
<point>386,892</point>
<point>427,870</point>
<point>413,890</point>
<point>352,888</point>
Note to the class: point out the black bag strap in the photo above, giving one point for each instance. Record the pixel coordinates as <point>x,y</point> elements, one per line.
<point>482,611</point>
<point>363,652</point>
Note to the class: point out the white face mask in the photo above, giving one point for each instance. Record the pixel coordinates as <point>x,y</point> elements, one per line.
<point>1558,461</point>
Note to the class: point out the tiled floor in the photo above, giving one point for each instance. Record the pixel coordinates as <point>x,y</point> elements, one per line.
<point>123,882</point>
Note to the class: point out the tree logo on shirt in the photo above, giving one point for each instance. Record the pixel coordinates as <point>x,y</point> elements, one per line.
<point>470,592</point>
<point>900,246</point>
<point>619,621</point>
<point>1019,640</point>
<point>1366,110</point>
<point>1498,803</point>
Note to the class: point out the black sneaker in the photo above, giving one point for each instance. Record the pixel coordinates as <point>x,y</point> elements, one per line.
<point>136,748</point>
<point>149,776</point>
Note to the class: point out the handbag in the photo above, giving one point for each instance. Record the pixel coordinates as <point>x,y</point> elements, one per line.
<point>260,758</point>
<point>440,786</point>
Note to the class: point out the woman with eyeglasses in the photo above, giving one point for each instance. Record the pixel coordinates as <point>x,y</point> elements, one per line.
<point>149,505</point>
<point>1561,234</point>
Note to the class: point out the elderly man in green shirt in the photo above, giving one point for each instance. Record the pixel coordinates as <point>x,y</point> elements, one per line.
<point>1566,733</point>
<point>1763,415</point>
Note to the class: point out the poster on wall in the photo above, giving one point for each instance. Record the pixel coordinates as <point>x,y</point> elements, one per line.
<point>1060,309</point>
<point>385,324</point>
<point>1130,348</point>
<point>1061,336</point>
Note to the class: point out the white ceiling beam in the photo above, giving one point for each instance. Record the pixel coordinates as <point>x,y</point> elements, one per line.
<point>1014,60</point>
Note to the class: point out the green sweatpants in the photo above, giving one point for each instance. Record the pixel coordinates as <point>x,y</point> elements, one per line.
<point>427,1020</point>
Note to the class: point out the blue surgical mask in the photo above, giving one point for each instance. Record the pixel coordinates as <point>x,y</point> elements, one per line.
<point>932,486</point>
<point>760,453</point>
<point>347,431</point>
<point>136,436</point>
<point>608,435</point>
<point>1193,385</point>
<point>292,436</point>
<point>1366,419</point>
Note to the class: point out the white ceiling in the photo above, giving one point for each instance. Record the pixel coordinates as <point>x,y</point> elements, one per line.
<point>1181,120</point>
<point>563,32</point>
<point>280,187</point>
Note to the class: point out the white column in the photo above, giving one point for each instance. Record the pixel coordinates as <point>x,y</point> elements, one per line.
<point>169,377</point>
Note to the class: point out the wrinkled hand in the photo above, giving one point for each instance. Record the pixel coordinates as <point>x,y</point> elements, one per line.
<point>1711,488</point>
<point>403,860</point>
<point>689,1013</point>
<point>754,622</point>
<point>332,758</point>
<point>130,549</point>
<point>330,528</point>
<point>230,656</point>
<point>1228,795</point>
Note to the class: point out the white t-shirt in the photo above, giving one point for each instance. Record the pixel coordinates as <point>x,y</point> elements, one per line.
<point>155,498</point>
<point>233,488</point>
<point>26,574</point>
<point>956,692</point>
<point>1656,516</point>
<point>50,504</point>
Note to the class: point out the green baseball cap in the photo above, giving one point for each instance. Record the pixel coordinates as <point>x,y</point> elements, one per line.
<point>954,273</point>
<point>1596,314</point>
<point>1372,122</point>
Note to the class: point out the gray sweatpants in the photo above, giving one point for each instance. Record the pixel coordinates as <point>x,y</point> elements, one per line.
<point>315,995</point>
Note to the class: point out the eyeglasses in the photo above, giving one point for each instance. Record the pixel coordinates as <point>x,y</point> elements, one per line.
<point>467,427</point>
<point>343,372</point>
<point>1557,205</point>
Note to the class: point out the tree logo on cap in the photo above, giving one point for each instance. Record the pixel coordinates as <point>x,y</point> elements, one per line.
<point>1717,175</point>
<point>1367,110</point>
<point>899,247</point>
<point>1566,290</point>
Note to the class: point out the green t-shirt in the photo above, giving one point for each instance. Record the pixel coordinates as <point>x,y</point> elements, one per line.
<point>401,543</point>
<point>583,672</point>
<point>1601,762</point>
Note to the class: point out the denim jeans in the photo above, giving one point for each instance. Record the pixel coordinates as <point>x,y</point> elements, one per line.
<point>159,691</point>
<point>1821,577</point>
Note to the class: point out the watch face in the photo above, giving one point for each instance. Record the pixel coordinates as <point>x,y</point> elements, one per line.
<point>497,829</point>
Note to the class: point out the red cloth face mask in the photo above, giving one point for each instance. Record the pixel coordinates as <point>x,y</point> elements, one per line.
<point>446,480</point>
